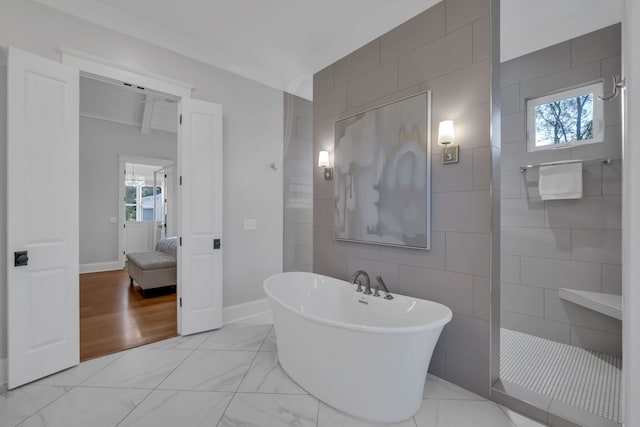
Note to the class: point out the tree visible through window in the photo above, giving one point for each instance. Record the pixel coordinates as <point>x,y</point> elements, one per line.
<point>569,117</point>
<point>565,121</point>
<point>130,203</point>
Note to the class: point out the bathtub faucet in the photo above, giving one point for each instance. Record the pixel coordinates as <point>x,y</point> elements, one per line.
<point>379,285</point>
<point>367,284</point>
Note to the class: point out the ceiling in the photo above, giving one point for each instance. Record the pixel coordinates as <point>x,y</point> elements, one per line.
<point>280,43</point>
<point>114,103</point>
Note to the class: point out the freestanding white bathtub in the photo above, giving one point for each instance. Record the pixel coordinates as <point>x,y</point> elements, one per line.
<point>361,354</point>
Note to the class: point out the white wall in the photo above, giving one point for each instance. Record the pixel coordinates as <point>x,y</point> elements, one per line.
<point>100,144</point>
<point>253,134</point>
<point>527,26</point>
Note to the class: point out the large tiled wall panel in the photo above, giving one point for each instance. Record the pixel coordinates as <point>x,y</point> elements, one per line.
<point>547,245</point>
<point>446,50</point>
<point>298,184</point>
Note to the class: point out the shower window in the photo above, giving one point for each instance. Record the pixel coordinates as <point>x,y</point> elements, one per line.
<point>565,119</point>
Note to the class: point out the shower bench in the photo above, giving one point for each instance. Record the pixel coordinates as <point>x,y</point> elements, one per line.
<point>607,304</point>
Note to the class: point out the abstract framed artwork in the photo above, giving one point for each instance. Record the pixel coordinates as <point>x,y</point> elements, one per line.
<point>382,174</point>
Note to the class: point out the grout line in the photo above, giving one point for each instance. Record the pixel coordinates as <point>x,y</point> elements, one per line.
<point>271,393</point>
<point>114,387</point>
<point>120,354</point>
<point>255,356</point>
<point>265,340</point>
<point>134,408</point>
<point>177,366</point>
<point>243,377</point>
<point>45,406</point>
<point>233,395</point>
<point>507,415</point>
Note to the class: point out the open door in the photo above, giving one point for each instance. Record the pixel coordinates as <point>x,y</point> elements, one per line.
<point>42,217</point>
<point>200,253</point>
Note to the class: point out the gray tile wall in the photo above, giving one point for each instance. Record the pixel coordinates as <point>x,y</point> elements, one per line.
<point>444,50</point>
<point>298,184</point>
<point>547,245</point>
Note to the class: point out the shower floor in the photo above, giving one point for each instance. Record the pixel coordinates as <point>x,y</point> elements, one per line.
<point>584,379</point>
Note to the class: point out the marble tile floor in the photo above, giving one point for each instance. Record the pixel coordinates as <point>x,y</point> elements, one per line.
<point>224,378</point>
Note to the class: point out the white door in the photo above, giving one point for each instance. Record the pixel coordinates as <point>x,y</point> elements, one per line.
<point>159,205</point>
<point>138,236</point>
<point>42,217</point>
<point>200,256</point>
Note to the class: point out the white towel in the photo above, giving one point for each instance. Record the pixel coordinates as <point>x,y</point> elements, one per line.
<point>559,182</point>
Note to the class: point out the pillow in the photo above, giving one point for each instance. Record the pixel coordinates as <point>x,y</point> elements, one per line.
<point>168,245</point>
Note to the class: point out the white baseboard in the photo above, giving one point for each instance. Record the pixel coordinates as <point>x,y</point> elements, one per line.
<point>100,266</point>
<point>245,310</point>
<point>3,375</point>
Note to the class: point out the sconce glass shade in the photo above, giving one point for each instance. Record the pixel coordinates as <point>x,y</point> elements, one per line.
<point>445,133</point>
<point>323,159</point>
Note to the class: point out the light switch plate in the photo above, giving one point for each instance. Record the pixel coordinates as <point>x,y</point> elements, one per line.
<point>251,224</point>
<point>113,220</point>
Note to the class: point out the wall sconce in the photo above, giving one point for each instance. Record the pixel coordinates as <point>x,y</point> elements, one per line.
<point>323,162</point>
<point>446,138</point>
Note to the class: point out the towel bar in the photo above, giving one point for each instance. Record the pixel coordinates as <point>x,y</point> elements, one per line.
<point>564,162</point>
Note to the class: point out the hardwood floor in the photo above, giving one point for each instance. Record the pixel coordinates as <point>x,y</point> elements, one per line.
<point>115,317</point>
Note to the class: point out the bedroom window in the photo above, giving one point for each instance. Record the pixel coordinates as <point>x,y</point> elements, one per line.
<point>138,204</point>
<point>138,198</point>
<point>565,119</point>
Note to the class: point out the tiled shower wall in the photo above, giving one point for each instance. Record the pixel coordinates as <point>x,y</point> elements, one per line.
<point>446,50</point>
<point>298,183</point>
<point>547,245</point>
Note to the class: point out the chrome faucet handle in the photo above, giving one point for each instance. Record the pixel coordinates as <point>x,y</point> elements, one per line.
<point>354,280</point>
<point>382,285</point>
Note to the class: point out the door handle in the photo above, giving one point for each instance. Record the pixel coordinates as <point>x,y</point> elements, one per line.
<point>216,243</point>
<point>21,258</point>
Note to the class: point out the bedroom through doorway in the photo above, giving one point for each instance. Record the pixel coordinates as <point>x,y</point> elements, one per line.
<point>128,216</point>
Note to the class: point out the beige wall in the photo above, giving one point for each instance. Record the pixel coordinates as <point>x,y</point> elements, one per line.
<point>445,50</point>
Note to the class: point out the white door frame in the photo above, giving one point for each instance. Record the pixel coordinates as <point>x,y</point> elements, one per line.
<point>102,69</point>
<point>630,212</point>
<point>122,160</point>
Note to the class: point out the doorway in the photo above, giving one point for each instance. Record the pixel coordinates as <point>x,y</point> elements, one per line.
<point>128,140</point>
<point>43,99</point>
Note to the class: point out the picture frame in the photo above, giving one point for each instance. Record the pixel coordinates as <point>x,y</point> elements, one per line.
<point>382,174</point>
